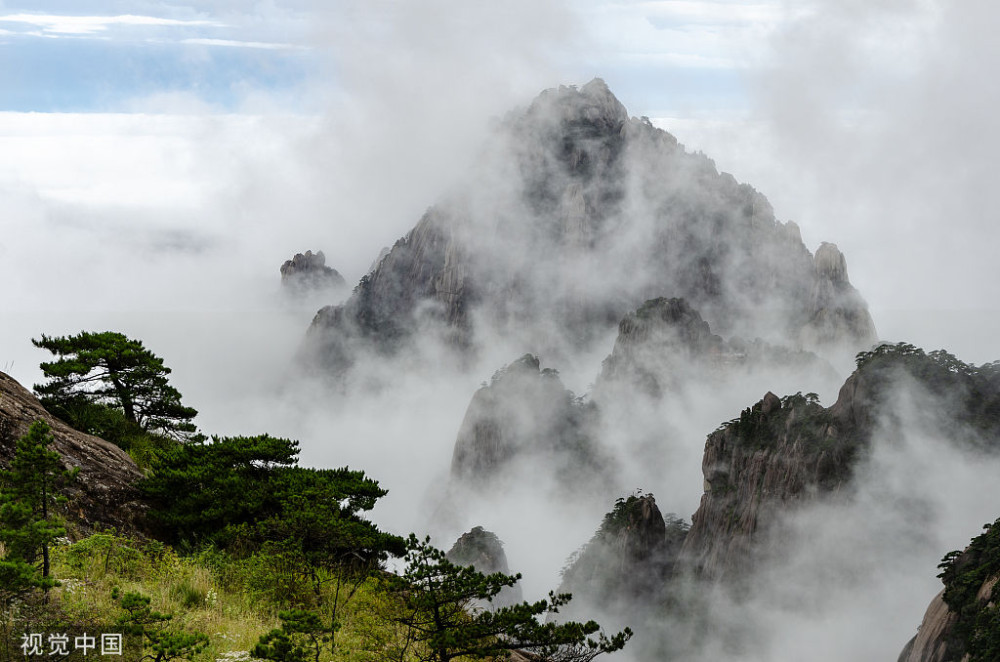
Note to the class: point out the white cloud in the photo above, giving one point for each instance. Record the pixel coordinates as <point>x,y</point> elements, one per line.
<point>682,35</point>
<point>88,25</point>
<point>682,60</point>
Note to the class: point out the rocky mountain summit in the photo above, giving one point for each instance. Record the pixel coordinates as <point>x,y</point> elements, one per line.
<point>308,272</point>
<point>777,454</point>
<point>630,557</point>
<point>525,414</point>
<point>103,493</point>
<point>533,246</point>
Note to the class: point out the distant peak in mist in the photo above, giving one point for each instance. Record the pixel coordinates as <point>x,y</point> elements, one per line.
<point>574,215</point>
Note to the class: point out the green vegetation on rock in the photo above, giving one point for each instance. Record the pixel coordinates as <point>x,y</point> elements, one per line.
<point>967,576</point>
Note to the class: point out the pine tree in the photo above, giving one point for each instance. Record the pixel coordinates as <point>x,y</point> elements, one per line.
<point>108,369</point>
<point>29,492</point>
<point>438,616</point>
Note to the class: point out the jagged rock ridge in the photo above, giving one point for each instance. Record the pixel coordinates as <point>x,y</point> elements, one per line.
<point>103,493</point>
<point>575,215</point>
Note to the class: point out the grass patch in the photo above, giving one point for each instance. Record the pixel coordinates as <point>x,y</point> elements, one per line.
<point>234,601</point>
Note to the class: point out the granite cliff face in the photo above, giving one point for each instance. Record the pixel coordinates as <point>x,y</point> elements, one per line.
<point>776,454</point>
<point>930,644</point>
<point>962,623</point>
<point>103,493</point>
<point>574,215</point>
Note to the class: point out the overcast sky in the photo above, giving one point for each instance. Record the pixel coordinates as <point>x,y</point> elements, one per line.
<point>169,156</point>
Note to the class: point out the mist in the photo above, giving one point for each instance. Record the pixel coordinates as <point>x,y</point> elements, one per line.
<point>869,124</point>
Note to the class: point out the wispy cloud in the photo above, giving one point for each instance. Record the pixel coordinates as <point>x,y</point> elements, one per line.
<point>242,44</point>
<point>53,24</point>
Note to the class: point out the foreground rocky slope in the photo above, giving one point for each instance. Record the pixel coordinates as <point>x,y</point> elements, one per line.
<point>103,494</point>
<point>532,247</point>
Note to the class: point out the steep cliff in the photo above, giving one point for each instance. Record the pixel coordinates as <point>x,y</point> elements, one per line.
<point>103,494</point>
<point>756,467</point>
<point>526,414</point>
<point>574,215</point>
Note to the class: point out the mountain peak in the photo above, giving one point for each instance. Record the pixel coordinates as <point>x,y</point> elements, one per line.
<point>594,103</point>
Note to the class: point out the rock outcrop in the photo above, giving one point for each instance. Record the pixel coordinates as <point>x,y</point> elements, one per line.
<point>575,215</point>
<point>757,467</point>
<point>103,494</point>
<point>629,558</point>
<point>963,621</point>
<point>307,272</point>
<point>930,644</point>
<point>839,312</point>
<point>526,414</point>
<point>483,550</point>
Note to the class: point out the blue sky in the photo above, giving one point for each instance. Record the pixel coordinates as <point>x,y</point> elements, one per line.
<point>110,56</point>
<point>63,61</point>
